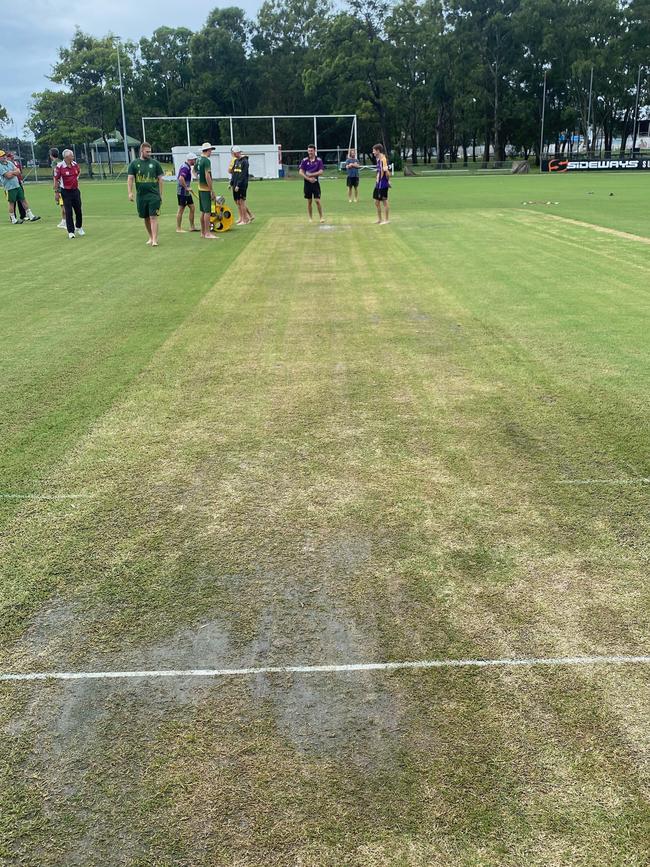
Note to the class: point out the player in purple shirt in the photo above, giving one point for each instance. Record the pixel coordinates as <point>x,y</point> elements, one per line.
<point>311,168</point>
<point>184,193</point>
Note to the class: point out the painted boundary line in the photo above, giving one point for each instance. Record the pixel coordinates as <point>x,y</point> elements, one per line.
<point>602,481</point>
<point>552,662</point>
<point>595,227</point>
<point>4,496</point>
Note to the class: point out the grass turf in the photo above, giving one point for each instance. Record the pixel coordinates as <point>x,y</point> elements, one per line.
<point>347,444</point>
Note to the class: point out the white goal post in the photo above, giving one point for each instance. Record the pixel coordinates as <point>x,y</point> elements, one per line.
<point>272,117</point>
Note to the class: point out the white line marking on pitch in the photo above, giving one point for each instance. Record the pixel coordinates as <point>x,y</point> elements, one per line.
<point>602,481</point>
<point>44,496</point>
<point>331,669</point>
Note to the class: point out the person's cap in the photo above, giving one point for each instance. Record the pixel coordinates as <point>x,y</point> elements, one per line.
<point>3,153</point>
<point>191,156</point>
<point>206,146</point>
<point>235,149</point>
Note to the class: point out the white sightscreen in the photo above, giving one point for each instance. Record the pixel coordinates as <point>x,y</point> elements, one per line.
<point>263,160</point>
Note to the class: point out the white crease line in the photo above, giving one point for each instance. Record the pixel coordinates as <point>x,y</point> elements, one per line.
<point>331,669</point>
<point>602,481</point>
<point>44,496</point>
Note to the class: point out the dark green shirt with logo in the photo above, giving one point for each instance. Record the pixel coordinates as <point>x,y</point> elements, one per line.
<point>146,174</point>
<point>203,165</point>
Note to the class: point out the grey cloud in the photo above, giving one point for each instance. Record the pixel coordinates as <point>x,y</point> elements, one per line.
<point>42,27</point>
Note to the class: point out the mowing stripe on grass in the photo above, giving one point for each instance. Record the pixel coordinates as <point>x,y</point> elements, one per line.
<point>332,669</point>
<point>596,227</point>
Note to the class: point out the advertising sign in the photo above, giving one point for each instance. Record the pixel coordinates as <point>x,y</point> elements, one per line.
<point>563,164</point>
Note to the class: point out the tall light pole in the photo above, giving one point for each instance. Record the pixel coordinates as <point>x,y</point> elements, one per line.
<point>591,87</point>
<point>636,111</point>
<point>541,135</point>
<point>119,76</point>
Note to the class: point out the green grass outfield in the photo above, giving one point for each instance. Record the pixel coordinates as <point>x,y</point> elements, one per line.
<point>348,444</point>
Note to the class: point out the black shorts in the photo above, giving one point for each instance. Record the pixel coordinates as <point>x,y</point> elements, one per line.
<point>240,193</point>
<point>312,191</point>
<point>353,182</point>
<point>380,194</point>
<point>184,199</point>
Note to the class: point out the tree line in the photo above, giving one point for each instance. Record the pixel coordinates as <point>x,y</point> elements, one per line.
<point>431,79</point>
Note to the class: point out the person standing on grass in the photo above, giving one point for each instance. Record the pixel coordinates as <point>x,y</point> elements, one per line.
<point>146,174</point>
<point>184,193</point>
<point>66,181</point>
<point>9,175</point>
<point>239,183</point>
<point>22,213</point>
<point>311,168</point>
<point>382,184</point>
<point>206,193</point>
<point>55,159</point>
<point>352,166</point>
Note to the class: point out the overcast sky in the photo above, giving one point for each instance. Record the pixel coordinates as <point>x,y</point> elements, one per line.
<point>31,35</point>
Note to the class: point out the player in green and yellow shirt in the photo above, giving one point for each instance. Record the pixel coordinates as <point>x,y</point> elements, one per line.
<point>146,174</point>
<point>203,169</point>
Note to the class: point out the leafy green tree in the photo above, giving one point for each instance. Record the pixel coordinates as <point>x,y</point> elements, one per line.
<point>220,68</point>
<point>415,32</point>
<point>285,44</point>
<point>487,27</point>
<point>4,117</point>
<point>57,117</point>
<point>163,72</point>
<point>88,71</point>
<point>355,68</point>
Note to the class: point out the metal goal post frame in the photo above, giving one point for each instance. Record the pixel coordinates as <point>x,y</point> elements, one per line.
<point>271,117</point>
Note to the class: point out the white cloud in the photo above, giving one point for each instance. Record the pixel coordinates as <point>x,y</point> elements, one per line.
<point>29,42</point>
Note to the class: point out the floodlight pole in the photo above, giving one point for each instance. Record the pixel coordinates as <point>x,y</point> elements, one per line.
<point>273,127</point>
<point>119,75</point>
<point>232,136</point>
<point>591,87</point>
<point>636,110</point>
<point>315,133</point>
<point>541,136</point>
<point>187,124</point>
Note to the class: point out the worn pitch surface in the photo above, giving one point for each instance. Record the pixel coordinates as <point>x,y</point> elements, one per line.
<point>297,445</point>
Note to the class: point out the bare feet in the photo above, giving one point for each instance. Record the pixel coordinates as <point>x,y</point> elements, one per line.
<point>194,229</point>
<point>181,231</point>
<point>154,243</point>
